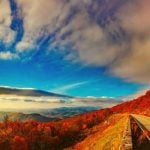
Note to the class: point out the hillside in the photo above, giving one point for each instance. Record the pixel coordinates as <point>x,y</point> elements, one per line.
<point>140,105</point>
<point>95,129</point>
<point>102,134</point>
<point>114,126</point>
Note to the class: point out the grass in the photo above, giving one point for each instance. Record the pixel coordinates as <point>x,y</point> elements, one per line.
<point>109,138</point>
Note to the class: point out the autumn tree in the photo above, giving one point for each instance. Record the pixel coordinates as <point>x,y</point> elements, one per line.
<point>18,143</point>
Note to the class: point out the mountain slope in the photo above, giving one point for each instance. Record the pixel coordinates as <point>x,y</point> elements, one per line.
<point>140,105</point>
<point>109,133</point>
<point>111,128</point>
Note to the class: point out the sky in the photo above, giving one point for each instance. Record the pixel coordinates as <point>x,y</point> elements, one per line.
<point>76,47</point>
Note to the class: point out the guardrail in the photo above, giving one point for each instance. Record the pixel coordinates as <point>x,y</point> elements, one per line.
<point>127,138</point>
<point>140,134</point>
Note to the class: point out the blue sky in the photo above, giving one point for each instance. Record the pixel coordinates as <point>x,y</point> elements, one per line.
<point>63,77</point>
<point>88,48</point>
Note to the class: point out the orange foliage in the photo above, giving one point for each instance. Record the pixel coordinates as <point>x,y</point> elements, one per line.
<point>35,135</point>
<point>18,143</point>
<point>141,105</point>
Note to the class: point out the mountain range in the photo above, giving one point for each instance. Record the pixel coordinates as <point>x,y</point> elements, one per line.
<point>45,115</point>
<point>18,116</point>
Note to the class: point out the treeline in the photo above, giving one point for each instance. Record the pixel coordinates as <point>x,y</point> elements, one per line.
<point>140,105</point>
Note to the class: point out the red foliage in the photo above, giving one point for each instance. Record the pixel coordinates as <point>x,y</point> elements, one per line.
<point>140,105</point>
<point>52,135</point>
<point>34,135</point>
<point>18,143</point>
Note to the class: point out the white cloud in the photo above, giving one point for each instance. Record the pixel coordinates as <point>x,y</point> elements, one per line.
<point>134,66</point>
<point>40,19</point>
<point>89,39</point>
<point>7,55</point>
<point>6,34</point>
<point>135,17</point>
<point>24,46</point>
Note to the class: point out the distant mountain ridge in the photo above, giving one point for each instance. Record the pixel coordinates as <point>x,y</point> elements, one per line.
<point>29,92</point>
<point>65,112</point>
<point>17,116</point>
<point>46,115</point>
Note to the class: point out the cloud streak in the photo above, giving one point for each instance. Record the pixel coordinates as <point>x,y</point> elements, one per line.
<point>68,87</point>
<point>25,102</point>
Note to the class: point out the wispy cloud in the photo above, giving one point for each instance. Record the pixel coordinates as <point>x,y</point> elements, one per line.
<point>65,88</point>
